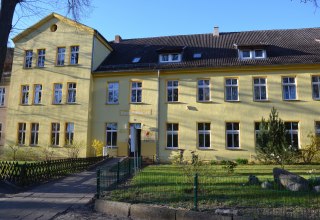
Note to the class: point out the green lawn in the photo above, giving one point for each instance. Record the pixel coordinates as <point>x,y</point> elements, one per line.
<point>173,185</point>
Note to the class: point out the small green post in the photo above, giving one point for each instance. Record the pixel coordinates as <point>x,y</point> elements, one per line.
<point>118,173</point>
<point>98,183</point>
<point>195,192</point>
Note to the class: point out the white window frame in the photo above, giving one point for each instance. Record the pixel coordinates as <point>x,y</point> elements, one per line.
<point>292,132</point>
<point>233,132</point>
<point>171,132</point>
<point>74,55</point>
<point>205,133</point>
<point>252,54</point>
<point>170,57</point>
<point>135,90</point>
<point>28,59</point>
<point>289,85</point>
<point>25,94</point>
<point>111,131</point>
<point>172,88</point>
<point>57,93</point>
<point>61,55</point>
<point>114,92</point>
<point>1,127</point>
<point>69,133</point>
<point>245,57</point>
<point>72,92</point>
<point>315,84</point>
<point>204,86</point>
<point>22,133</point>
<point>35,134</point>
<point>41,57</point>
<point>259,85</point>
<point>37,94</point>
<point>263,54</point>
<point>232,86</point>
<point>55,134</point>
<point>2,96</point>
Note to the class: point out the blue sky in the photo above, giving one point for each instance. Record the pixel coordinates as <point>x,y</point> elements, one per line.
<point>148,18</point>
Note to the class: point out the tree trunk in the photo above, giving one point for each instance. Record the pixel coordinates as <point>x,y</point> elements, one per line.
<point>6,16</point>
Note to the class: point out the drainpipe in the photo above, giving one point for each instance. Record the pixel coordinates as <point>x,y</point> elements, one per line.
<point>158,121</point>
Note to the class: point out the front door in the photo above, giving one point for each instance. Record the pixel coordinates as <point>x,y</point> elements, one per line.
<point>137,133</point>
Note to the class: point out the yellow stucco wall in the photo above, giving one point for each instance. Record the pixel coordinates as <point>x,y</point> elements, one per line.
<point>246,111</point>
<point>46,113</point>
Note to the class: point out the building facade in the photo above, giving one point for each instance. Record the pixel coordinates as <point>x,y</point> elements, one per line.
<point>205,93</point>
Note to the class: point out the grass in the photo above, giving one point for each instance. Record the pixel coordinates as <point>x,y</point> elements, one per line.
<point>173,186</point>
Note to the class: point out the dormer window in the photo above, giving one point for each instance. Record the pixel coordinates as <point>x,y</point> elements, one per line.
<point>170,57</point>
<point>252,54</point>
<point>197,55</point>
<point>136,60</point>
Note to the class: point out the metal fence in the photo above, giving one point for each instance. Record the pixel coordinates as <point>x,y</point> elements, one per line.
<point>27,174</point>
<point>211,193</point>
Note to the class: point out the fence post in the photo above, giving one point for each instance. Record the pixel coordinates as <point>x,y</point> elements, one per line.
<point>195,192</point>
<point>98,183</point>
<point>118,173</point>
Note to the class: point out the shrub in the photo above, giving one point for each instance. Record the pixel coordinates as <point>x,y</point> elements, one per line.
<point>229,166</point>
<point>272,144</point>
<point>242,161</point>
<point>311,152</point>
<point>97,145</point>
<point>213,162</point>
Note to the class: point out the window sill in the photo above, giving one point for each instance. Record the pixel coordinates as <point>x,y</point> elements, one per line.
<point>72,103</point>
<point>77,64</point>
<point>110,103</point>
<point>3,106</point>
<point>57,103</point>
<point>206,148</point>
<point>291,100</point>
<point>316,99</point>
<point>113,147</point>
<point>38,104</point>
<point>267,100</point>
<point>25,104</point>
<point>39,67</point>
<point>172,148</point>
<point>209,101</point>
<point>234,148</point>
<point>173,102</point>
<point>137,103</point>
<point>59,65</point>
<point>232,100</point>
<point>28,68</point>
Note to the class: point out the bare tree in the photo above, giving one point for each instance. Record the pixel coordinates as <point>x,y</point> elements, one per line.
<point>314,2</point>
<point>8,8</point>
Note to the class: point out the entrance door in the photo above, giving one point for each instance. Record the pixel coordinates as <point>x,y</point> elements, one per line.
<point>137,137</point>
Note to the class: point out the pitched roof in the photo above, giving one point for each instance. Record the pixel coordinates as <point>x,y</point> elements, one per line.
<point>292,46</point>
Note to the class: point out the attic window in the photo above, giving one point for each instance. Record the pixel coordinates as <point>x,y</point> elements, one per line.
<point>170,57</point>
<point>136,60</point>
<point>197,55</point>
<point>247,54</point>
<point>53,28</point>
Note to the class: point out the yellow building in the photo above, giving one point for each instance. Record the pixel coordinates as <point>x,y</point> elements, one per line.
<point>205,93</point>
<point>51,83</point>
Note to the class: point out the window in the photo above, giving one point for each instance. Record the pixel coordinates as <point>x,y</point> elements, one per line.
<point>260,89</point>
<point>317,128</point>
<point>172,135</point>
<point>204,135</point>
<point>34,134</point>
<point>37,94</point>
<point>111,130</point>
<point>289,88</point>
<point>72,91</point>
<point>316,87</point>
<point>55,134</point>
<point>136,92</point>
<point>69,133</point>
<point>232,133</point>
<point>24,94</point>
<point>28,59</point>
<point>74,56</point>
<point>1,131</point>
<point>252,54</point>
<point>60,56</point>
<point>197,55</point>
<point>232,89</point>
<point>57,93</point>
<point>257,130</point>
<point>174,57</point>
<point>172,90</point>
<point>136,60</point>
<point>2,95</point>
<point>21,133</point>
<point>41,57</point>
<point>293,133</point>
<point>113,93</point>
<point>203,90</point>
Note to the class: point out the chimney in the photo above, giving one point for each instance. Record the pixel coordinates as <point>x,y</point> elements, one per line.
<point>216,31</point>
<point>117,39</point>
